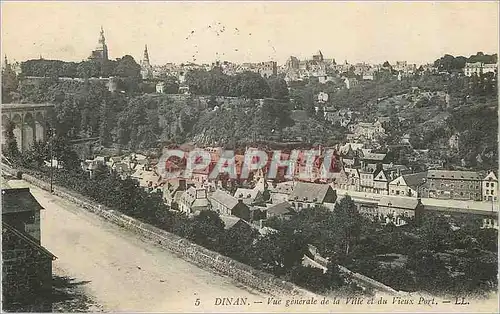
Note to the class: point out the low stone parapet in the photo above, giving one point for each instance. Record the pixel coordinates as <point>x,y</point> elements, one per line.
<point>187,250</point>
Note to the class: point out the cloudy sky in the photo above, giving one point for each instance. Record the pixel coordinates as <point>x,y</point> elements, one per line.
<point>250,31</point>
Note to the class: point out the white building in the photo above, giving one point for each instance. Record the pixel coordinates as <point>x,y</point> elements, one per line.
<point>322,97</point>
<point>193,200</point>
<point>490,187</point>
<point>479,68</point>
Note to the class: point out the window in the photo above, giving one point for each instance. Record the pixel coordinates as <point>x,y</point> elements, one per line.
<point>487,192</point>
<point>487,184</point>
<point>492,185</point>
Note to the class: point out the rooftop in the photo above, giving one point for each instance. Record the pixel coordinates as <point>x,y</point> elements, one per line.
<point>280,209</point>
<point>224,198</point>
<point>398,202</point>
<point>453,175</point>
<point>28,239</point>
<point>309,192</point>
<point>18,200</point>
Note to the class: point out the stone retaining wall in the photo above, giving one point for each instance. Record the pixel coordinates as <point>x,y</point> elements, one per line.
<point>192,252</point>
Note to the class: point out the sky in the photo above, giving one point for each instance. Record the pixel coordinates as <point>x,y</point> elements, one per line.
<point>202,32</point>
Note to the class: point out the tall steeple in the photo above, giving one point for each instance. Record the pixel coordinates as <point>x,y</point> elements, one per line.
<point>102,39</point>
<point>146,68</point>
<point>101,51</point>
<point>146,54</point>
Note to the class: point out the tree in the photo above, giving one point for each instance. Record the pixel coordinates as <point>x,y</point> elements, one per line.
<point>104,126</point>
<point>430,271</point>
<point>10,149</point>
<point>208,228</point>
<point>171,85</point>
<point>126,67</point>
<point>10,83</point>
<point>236,242</point>
<point>278,87</point>
<point>90,68</point>
<point>348,224</point>
<point>250,85</point>
<point>63,152</point>
<point>278,252</point>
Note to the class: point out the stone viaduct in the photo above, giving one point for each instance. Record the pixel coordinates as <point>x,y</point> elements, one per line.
<point>29,122</point>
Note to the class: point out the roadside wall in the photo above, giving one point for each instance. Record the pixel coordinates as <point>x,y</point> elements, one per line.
<point>194,253</point>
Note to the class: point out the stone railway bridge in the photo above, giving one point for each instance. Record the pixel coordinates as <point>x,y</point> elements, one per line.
<point>29,122</point>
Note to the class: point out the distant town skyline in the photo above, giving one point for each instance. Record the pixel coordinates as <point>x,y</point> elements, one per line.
<point>203,32</point>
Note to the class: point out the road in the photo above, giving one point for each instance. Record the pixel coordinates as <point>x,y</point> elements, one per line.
<point>479,206</point>
<point>125,273</point>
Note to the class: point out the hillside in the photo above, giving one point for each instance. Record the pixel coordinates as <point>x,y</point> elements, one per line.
<point>429,109</point>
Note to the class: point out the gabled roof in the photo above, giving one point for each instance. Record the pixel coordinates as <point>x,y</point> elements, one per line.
<point>309,192</point>
<point>224,198</point>
<point>380,176</point>
<point>398,202</point>
<point>491,177</point>
<point>374,156</point>
<point>195,197</point>
<point>415,179</point>
<point>19,200</point>
<point>453,175</point>
<point>27,239</point>
<point>247,195</point>
<point>280,209</point>
<point>229,221</point>
<point>352,172</point>
<point>282,187</point>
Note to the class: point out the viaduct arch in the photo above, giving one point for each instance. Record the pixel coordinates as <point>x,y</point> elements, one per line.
<point>29,122</point>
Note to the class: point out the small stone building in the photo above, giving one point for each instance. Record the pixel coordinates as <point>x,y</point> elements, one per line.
<point>26,265</point>
<point>26,272</point>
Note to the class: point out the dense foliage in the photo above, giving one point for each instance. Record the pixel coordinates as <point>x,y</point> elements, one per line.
<point>10,84</point>
<point>246,84</point>
<point>450,63</point>
<point>431,256</point>
<point>121,67</point>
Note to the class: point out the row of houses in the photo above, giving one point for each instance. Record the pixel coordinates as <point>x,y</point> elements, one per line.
<point>365,171</point>
<point>439,184</point>
<point>135,166</point>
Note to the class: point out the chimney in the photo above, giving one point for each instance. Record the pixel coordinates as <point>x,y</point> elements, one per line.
<point>261,225</point>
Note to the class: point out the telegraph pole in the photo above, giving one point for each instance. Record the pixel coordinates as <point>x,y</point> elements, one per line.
<point>51,143</point>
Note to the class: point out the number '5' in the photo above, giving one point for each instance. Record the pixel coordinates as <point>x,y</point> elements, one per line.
<point>197,302</point>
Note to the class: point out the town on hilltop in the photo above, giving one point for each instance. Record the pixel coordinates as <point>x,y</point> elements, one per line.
<point>412,205</point>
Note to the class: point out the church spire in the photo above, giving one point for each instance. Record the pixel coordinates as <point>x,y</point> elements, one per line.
<point>146,54</point>
<point>102,39</point>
